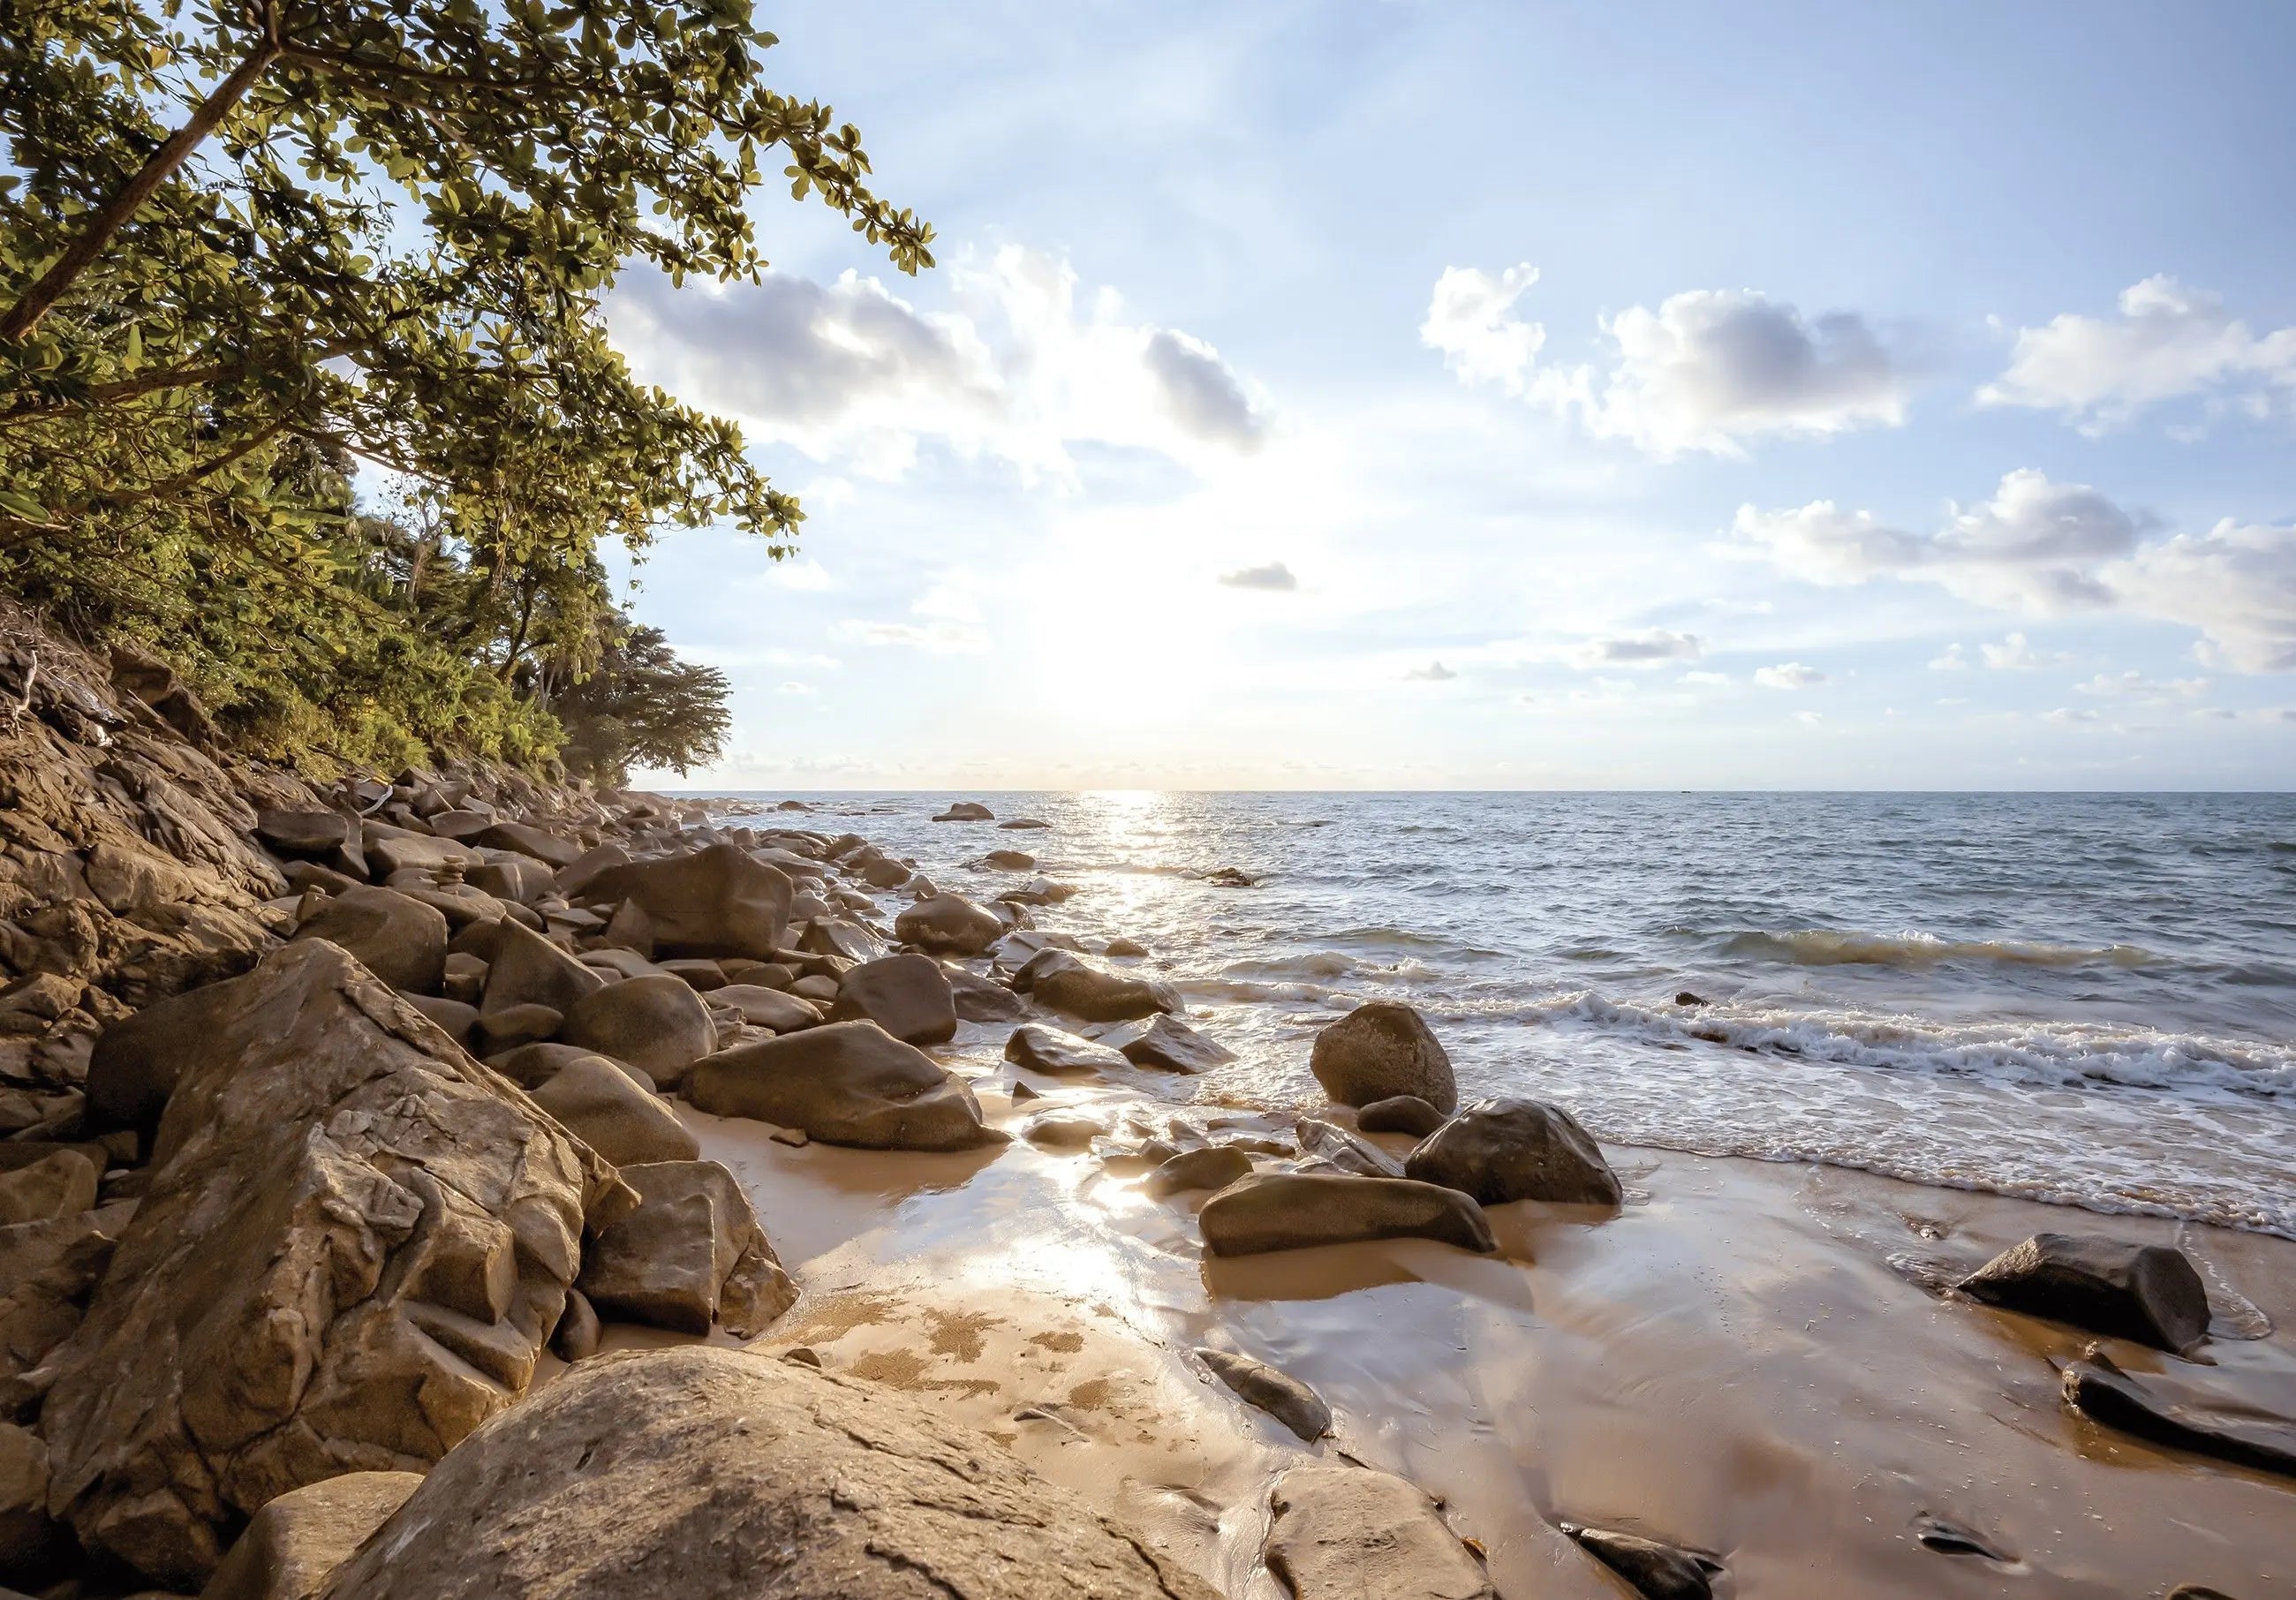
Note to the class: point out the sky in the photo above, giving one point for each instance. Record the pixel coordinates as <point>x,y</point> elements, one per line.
<point>1436,394</point>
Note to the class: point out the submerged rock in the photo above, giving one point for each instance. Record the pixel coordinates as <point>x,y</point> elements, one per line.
<point>908,995</point>
<point>1341,1533</point>
<point>979,999</point>
<point>1506,1149</point>
<point>844,1083</point>
<point>2148,1292</point>
<point>1335,1146</point>
<point>2186,1415</point>
<point>1659,1571</point>
<point>714,1474</point>
<point>1379,1050</point>
<point>1277,1393</point>
<point>1292,1210</point>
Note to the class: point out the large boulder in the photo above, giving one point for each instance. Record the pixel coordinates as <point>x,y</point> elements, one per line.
<point>47,1271</point>
<point>717,1474</point>
<point>353,1241</point>
<point>554,850</point>
<point>61,1183</point>
<point>847,1083</point>
<point>2148,1292</point>
<point>1291,1211</point>
<point>1399,1113</point>
<point>1094,993</point>
<point>1043,1049</point>
<point>526,969</point>
<point>608,1109</point>
<point>908,995</point>
<point>297,1541</point>
<point>980,999</point>
<point>706,903</point>
<point>948,924</point>
<point>690,1255</point>
<point>658,1024</point>
<point>32,1547</point>
<point>1379,1050</point>
<point>1505,1149</point>
<point>331,838</point>
<point>400,939</point>
<point>1344,1532</point>
<point>763,1007</point>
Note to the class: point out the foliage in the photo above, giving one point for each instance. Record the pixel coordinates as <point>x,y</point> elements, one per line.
<point>640,706</point>
<point>249,249</point>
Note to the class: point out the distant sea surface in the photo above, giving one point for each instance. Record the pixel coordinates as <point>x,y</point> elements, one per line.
<point>2089,999</point>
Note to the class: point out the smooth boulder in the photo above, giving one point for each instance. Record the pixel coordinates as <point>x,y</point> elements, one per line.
<point>353,1240</point>
<point>690,1254</point>
<point>979,999</point>
<point>330,838</point>
<point>657,1024</point>
<point>711,902</point>
<point>715,1474</point>
<point>1213,1167</point>
<point>763,1007</point>
<point>1092,994</point>
<point>1279,1394</point>
<point>908,995</point>
<point>845,1083</point>
<point>2148,1292</point>
<point>554,850</point>
<point>1294,1211</point>
<point>2169,1410</point>
<point>606,1108</point>
<point>1351,1533</point>
<point>948,924</point>
<point>1379,1050</point>
<point>1167,1044</point>
<point>526,969</point>
<point>296,1542</point>
<point>966,811</point>
<point>1043,1049</point>
<point>1505,1149</point>
<point>401,940</point>
<point>1399,1113</point>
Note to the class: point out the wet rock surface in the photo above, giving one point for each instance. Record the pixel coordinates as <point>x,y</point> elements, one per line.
<point>1503,1149</point>
<point>2148,1292</point>
<point>846,1083</point>
<point>1339,1532</point>
<point>1380,1050</point>
<point>1294,1211</point>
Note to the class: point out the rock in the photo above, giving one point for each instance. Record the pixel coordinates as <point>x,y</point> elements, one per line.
<point>1350,1533</point>
<point>1214,1167</point>
<point>526,969</point>
<point>763,1007</point>
<point>816,989</point>
<point>352,1242</point>
<point>578,1334</point>
<point>32,1547</point>
<point>460,825</point>
<point>297,1541</point>
<point>59,1184</point>
<point>715,1474</point>
<point>458,1020</point>
<point>329,838</point>
<point>1399,1113</point>
<point>550,850</point>
<point>658,1025</point>
<point>1064,1130</point>
<point>530,1066</point>
<point>522,879</point>
<point>1658,1571</point>
<point>690,1255</point>
<point>1507,1149</point>
<point>1231,877</point>
<point>577,874</point>
<point>515,1025</point>
<point>305,875</point>
<point>948,924</point>
<point>1335,1146</point>
<point>1126,948</point>
<point>1280,1395</point>
<point>1292,1210</point>
<point>908,995</point>
<point>2148,1292</point>
<point>979,999</point>
<point>848,941</point>
<point>1092,994</point>
<point>400,939</point>
<point>1166,1044</point>
<point>154,683</point>
<point>698,973</point>
<point>1379,1050</point>
<point>844,1083</point>
<point>1025,822</point>
<point>711,902</point>
<point>967,811</point>
<point>1010,861</point>
<point>391,850</point>
<point>607,1109</point>
<point>1043,1049</point>
<point>2170,1411</point>
<point>885,873</point>
<point>1688,1000</point>
<point>465,978</point>
<point>47,1271</point>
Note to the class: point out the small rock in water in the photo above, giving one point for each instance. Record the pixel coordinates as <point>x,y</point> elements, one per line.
<point>1951,1538</point>
<point>1056,1131</point>
<point>2181,1414</point>
<point>1123,948</point>
<point>967,811</point>
<point>1167,1043</point>
<point>1025,822</point>
<point>1659,1571</point>
<point>796,1138</point>
<point>1021,1091</point>
<point>1686,999</point>
<point>1277,1393</point>
<point>1043,1049</point>
<point>1336,1146</point>
<point>1214,1167</point>
<point>577,1333</point>
<point>1231,877</point>
<point>2148,1292</point>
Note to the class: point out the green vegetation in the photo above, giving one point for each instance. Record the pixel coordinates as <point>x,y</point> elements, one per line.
<point>250,248</point>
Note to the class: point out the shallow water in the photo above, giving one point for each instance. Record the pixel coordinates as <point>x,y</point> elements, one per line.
<point>2089,999</point>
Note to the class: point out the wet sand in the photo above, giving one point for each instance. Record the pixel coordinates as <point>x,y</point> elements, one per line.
<point>1744,1360</point>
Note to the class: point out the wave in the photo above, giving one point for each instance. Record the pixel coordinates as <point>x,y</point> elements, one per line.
<point>2052,1055</point>
<point>1823,946</point>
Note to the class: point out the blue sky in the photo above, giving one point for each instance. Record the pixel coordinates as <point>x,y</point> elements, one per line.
<point>1420,394</point>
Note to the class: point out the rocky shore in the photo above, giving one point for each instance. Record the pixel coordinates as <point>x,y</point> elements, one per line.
<point>456,1185</point>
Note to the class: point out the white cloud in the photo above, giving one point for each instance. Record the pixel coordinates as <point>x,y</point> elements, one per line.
<point>2168,342</point>
<point>1274,576</point>
<point>1952,661</point>
<point>1651,647</point>
<point>1023,364</point>
<point>2068,716</point>
<point>2136,685</point>
<point>1811,719</point>
<point>1434,672</point>
<point>793,688</point>
<point>1706,679</point>
<point>807,577</point>
<point>2044,547</point>
<point>950,624</point>
<point>1789,675</point>
<point>2016,654</point>
<point>1709,370</point>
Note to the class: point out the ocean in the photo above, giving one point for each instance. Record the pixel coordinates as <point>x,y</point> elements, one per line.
<point>2083,998</point>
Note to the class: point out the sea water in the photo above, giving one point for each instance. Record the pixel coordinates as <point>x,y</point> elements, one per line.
<point>2089,999</point>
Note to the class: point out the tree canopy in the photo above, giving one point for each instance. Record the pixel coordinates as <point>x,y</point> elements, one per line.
<point>250,251</point>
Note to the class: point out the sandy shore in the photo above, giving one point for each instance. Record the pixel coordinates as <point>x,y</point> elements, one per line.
<point>1745,1359</point>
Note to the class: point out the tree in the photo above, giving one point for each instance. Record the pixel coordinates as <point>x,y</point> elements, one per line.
<point>250,246</point>
<point>640,706</point>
